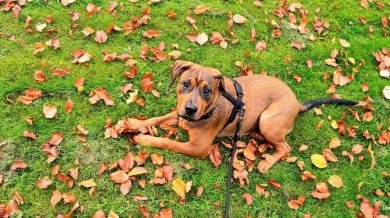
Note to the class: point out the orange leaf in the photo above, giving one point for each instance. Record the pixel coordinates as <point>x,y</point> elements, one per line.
<point>274,183</point>
<point>215,155</point>
<point>151,33</point>
<point>137,171</point>
<point>157,159</point>
<point>101,93</point>
<point>30,135</point>
<point>39,76</point>
<point>101,37</point>
<point>248,198</point>
<point>125,187</point>
<point>200,9</point>
<point>295,204</point>
<point>69,198</point>
<point>18,164</point>
<point>99,214</point>
<point>119,177</point>
<point>55,197</point>
<point>44,183</point>
<point>68,106</point>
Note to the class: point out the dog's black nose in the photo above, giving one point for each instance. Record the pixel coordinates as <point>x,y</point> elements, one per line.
<point>191,109</point>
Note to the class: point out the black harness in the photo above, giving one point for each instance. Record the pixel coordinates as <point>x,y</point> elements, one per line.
<point>239,108</point>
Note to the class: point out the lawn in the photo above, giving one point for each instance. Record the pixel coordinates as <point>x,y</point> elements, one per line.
<point>356,30</point>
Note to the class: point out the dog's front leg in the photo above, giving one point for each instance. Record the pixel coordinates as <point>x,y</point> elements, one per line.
<point>198,146</point>
<point>136,125</point>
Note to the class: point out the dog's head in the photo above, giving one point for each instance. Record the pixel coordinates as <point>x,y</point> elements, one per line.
<point>198,89</point>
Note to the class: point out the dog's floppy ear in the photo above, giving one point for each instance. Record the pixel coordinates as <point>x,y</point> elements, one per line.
<point>178,68</point>
<point>218,76</point>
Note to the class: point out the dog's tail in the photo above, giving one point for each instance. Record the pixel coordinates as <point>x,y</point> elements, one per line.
<point>310,104</point>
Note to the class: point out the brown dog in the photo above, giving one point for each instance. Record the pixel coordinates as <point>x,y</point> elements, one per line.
<point>271,107</point>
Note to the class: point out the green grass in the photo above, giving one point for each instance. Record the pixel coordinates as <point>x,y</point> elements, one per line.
<point>17,66</point>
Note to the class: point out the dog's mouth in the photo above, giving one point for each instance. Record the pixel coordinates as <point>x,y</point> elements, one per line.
<point>188,118</point>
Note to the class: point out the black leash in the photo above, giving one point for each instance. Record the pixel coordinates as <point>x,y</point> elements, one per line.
<point>239,108</point>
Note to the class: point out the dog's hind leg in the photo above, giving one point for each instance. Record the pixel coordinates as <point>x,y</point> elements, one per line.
<point>275,123</point>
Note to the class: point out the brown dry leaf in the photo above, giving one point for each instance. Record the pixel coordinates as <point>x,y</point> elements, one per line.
<point>101,37</point>
<point>49,110</point>
<point>295,204</point>
<point>39,76</point>
<point>69,198</point>
<point>101,93</point>
<point>18,164</point>
<point>298,44</point>
<point>215,155</point>
<point>137,171</point>
<point>30,95</point>
<point>151,33</point>
<point>364,3</point>
<point>303,147</point>
<point>261,45</point>
<point>55,197</point>
<point>88,31</point>
<point>306,175</point>
<point>103,167</point>
<point>340,79</point>
<point>239,19</point>
<point>364,87</point>
<point>309,63</point>
<point>30,135</point>
<point>199,191</point>
<point>68,106</point>
<point>87,183</point>
<point>357,149</point>
<point>125,187</point>
<point>321,191</point>
<point>297,77</point>
<point>44,183</point>
<point>328,155</point>
<point>371,211</point>
<point>145,213</point>
<point>334,143</point>
<point>200,9</point>
<point>248,198</point>
<point>157,159</point>
<point>119,177</point>
<point>371,152</point>
<point>274,183</point>
<point>109,57</point>
<point>56,138</point>
<point>335,181</point>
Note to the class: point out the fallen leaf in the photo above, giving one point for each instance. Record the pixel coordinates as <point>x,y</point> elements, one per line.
<point>200,9</point>
<point>306,175</point>
<point>55,197</point>
<point>334,143</point>
<point>321,191</point>
<point>87,183</point>
<point>239,19</point>
<point>202,38</point>
<point>386,92</point>
<point>296,204</point>
<point>157,159</point>
<point>274,183</point>
<point>101,37</point>
<point>30,135</point>
<point>364,3</point>
<point>261,45</point>
<point>39,76</point>
<point>357,149</point>
<point>335,181</point>
<point>344,43</point>
<point>248,198</point>
<point>49,110</point>
<point>179,186</point>
<point>125,187</point>
<point>68,106</point>
<point>318,161</point>
<point>329,156</point>
<point>137,171</point>
<point>215,155</point>
<point>44,183</point>
<point>119,176</point>
<point>101,93</point>
<point>199,191</point>
<point>69,198</point>
<point>151,34</point>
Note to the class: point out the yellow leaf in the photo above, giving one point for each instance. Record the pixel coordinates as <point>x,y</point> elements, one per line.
<point>80,89</point>
<point>179,186</point>
<point>137,171</point>
<point>319,161</point>
<point>335,181</point>
<point>87,183</point>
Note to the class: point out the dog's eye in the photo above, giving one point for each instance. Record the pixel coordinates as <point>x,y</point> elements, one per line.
<point>206,91</point>
<point>186,84</point>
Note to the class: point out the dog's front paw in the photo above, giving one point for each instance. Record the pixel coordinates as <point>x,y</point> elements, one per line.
<point>141,139</point>
<point>135,125</point>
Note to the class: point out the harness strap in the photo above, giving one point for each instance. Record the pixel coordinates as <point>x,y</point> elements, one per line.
<point>238,103</point>
<point>238,108</point>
